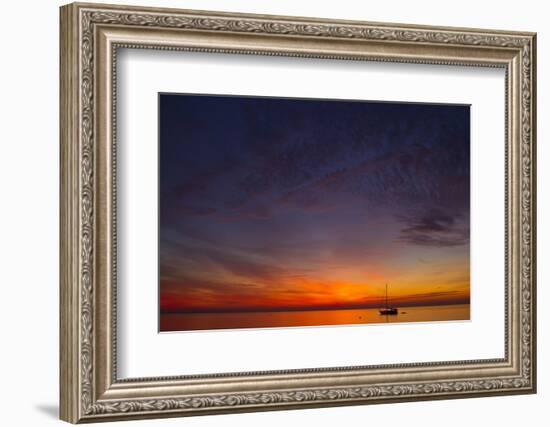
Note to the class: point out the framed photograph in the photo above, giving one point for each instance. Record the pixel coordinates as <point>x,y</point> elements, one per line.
<point>266,212</point>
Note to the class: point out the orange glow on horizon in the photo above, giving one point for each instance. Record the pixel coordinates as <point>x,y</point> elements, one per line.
<point>312,293</point>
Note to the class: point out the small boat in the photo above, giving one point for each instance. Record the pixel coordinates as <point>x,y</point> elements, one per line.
<point>387,310</point>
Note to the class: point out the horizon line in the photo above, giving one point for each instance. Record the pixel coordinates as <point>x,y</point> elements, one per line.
<point>287,309</point>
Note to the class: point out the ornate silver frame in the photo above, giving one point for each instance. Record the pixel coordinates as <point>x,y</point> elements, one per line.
<point>90,36</point>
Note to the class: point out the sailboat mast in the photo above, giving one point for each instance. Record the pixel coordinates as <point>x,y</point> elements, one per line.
<point>386,295</point>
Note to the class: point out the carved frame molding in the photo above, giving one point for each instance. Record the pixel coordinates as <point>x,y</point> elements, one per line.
<point>90,37</point>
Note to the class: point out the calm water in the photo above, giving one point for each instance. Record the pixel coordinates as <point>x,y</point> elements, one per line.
<point>199,321</point>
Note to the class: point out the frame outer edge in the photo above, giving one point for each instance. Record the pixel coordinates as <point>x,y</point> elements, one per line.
<point>296,19</point>
<point>534,269</point>
<point>77,339</point>
<point>69,354</point>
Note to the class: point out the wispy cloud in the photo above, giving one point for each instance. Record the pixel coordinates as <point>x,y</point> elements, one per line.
<point>435,228</point>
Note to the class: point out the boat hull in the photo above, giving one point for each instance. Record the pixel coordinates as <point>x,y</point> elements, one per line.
<point>388,311</point>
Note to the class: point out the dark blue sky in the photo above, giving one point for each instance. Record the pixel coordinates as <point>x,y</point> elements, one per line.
<point>281,202</point>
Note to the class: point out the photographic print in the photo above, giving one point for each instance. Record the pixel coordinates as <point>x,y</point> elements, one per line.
<point>287,212</point>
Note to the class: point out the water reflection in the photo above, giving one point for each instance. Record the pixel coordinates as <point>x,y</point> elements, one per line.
<point>202,321</point>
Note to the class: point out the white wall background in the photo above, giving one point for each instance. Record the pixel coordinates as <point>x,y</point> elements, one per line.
<point>29,170</point>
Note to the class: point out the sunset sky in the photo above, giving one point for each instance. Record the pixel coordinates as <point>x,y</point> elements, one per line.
<point>285,204</point>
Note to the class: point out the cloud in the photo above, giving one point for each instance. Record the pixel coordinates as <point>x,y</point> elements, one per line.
<point>433,298</point>
<point>179,256</point>
<point>435,228</point>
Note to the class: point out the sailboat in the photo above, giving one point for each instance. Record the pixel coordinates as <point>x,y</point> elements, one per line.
<point>387,310</point>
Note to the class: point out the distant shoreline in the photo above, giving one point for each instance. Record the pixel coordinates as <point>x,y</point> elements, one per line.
<point>295,309</point>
